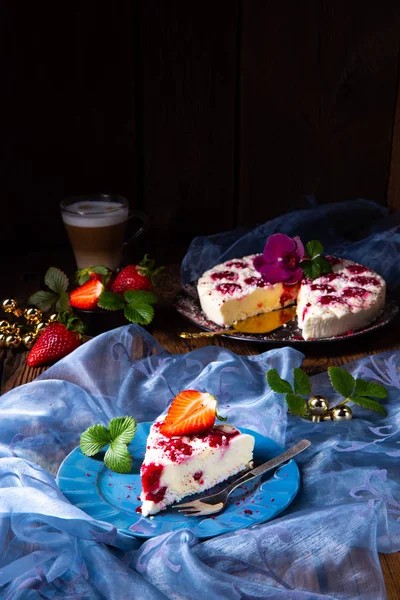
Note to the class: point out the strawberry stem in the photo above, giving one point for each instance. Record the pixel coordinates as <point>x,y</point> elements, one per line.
<point>220,418</point>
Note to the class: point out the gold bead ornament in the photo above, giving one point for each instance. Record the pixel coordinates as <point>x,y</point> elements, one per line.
<point>39,327</point>
<point>52,318</point>
<point>317,407</point>
<point>9,305</point>
<point>13,341</point>
<point>342,413</point>
<point>33,315</point>
<point>29,340</point>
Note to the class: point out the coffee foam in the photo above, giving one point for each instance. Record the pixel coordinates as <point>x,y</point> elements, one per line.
<point>95,214</point>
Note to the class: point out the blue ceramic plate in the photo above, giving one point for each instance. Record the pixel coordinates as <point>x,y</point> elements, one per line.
<point>114,497</point>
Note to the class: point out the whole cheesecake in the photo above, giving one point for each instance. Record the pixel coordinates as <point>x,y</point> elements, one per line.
<point>178,466</point>
<point>348,299</point>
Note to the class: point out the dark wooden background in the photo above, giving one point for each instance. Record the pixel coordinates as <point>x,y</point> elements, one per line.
<point>205,115</point>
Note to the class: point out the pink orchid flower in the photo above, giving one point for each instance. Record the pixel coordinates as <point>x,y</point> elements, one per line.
<point>280,260</point>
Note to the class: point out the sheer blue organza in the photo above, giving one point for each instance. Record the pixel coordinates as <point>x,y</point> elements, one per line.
<point>325,545</point>
<point>359,230</point>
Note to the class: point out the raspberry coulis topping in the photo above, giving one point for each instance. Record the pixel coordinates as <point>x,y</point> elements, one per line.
<point>228,288</point>
<point>305,309</point>
<point>198,475</point>
<point>357,269</point>
<point>258,281</point>
<point>321,287</point>
<point>176,449</point>
<point>218,437</point>
<point>331,276</point>
<point>151,475</point>
<point>354,292</point>
<point>229,275</point>
<point>289,293</point>
<point>237,264</point>
<point>365,280</point>
<point>333,260</point>
<point>330,299</point>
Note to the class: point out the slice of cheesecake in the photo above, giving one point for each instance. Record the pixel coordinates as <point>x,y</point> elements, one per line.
<point>176,466</point>
<point>347,299</point>
<point>234,291</point>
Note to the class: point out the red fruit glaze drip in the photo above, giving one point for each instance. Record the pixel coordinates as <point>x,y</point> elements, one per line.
<point>218,437</point>
<point>228,288</point>
<point>198,475</point>
<point>333,260</point>
<point>258,281</point>
<point>331,276</point>
<point>176,449</point>
<point>354,292</point>
<point>229,275</point>
<point>138,509</point>
<point>151,474</point>
<point>157,496</point>
<point>321,287</point>
<point>330,300</point>
<point>237,264</point>
<point>289,293</point>
<point>305,310</point>
<point>365,280</point>
<point>357,269</point>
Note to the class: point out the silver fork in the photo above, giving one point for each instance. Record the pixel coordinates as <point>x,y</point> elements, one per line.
<point>210,505</point>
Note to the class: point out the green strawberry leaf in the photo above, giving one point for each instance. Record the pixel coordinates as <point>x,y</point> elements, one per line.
<point>111,301</point>
<point>367,388</point>
<point>43,300</point>
<point>369,403</point>
<point>310,269</point>
<point>117,457</point>
<point>83,278</point>
<point>296,404</point>
<point>302,383</point>
<point>341,381</point>
<point>56,280</point>
<point>94,439</point>
<point>277,384</point>
<point>314,248</point>
<point>63,302</point>
<point>323,265</point>
<point>100,270</point>
<point>122,429</point>
<point>134,297</point>
<point>139,313</point>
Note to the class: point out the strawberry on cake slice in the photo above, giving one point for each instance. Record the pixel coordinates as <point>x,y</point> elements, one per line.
<point>186,453</point>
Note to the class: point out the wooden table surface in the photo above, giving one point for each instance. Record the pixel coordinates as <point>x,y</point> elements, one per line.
<point>165,328</point>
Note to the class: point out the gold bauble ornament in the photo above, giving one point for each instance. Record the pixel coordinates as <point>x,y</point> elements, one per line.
<point>39,327</point>
<point>13,341</point>
<point>52,318</point>
<point>10,305</point>
<point>4,324</point>
<point>327,416</point>
<point>317,406</point>
<point>14,329</point>
<point>29,340</point>
<point>33,314</point>
<point>342,413</point>
<point>3,339</point>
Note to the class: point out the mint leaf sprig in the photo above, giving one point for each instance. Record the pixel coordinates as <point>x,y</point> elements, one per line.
<point>136,304</point>
<point>119,434</point>
<point>358,390</point>
<point>316,264</point>
<point>293,394</point>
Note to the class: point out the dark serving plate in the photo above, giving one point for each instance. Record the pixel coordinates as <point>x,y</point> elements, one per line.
<point>188,305</point>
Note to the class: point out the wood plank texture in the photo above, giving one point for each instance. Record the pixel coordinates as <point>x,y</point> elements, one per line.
<point>318,90</point>
<point>189,60</point>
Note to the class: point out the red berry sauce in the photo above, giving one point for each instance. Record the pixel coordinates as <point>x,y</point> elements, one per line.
<point>365,280</point>
<point>258,281</point>
<point>321,287</point>
<point>331,276</point>
<point>247,511</point>
<point>289,293</point>
<point>151,475</point>
<point>330,300</point>
<point>219,437</point>
<point>357,269</point>
<point>228,288</point>
<point>156,496</point>
<point>237,264</point>
<point>354,292</point>
<point>197,476</point>
<point>229,275</point>
<point>305,310</point>
<point>333,260</point>
<point>176,449</point>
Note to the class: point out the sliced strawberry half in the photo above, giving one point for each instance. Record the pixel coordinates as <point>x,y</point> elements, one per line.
<point>86,296</point>
<point>191,412</point>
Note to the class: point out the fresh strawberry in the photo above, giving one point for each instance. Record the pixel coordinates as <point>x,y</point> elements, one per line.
<point>135,277</point>
<point>56,341</point>
<point>86,296</point>
<point>190,412</point>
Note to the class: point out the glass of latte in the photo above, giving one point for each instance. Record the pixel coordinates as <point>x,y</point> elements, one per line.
<point>96,226</point>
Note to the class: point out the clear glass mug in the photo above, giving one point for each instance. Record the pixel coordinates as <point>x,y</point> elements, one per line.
<point>96,225</point>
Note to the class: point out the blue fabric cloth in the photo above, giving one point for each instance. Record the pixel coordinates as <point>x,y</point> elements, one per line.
<point>359,230</point>
<point>323,547</point>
